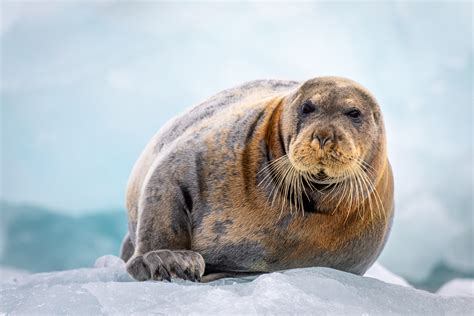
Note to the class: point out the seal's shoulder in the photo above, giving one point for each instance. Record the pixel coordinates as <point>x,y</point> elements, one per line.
<point>220,102</point>
<point>246,90</point>
<point>256,87</point>
<point>270,83</point>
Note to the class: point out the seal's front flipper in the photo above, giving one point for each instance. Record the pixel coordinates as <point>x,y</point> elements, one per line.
<point>166,264</point>
<point>127,249</point>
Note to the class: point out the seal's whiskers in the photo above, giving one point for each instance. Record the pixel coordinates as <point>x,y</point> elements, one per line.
<point>351,188</point>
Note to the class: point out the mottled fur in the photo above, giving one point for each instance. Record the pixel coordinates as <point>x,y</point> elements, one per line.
<point>196,186</point>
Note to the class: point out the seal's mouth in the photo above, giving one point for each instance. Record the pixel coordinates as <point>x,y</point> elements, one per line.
<point>321,181</point>
<point>321,176</point>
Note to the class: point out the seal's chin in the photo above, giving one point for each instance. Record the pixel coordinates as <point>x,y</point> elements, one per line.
<point>323,173</point>
<point>321,181</point>
<point>322,176</point>
<point>321,185</point>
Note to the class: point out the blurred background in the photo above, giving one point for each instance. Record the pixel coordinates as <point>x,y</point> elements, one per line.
<point>84,86</point>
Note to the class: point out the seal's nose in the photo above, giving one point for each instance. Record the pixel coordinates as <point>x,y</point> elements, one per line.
<point>323,137</point>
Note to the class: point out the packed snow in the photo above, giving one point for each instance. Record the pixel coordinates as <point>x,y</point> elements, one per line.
<point>107,289</point>
<point>377,271</point>
<point>458,287</point>
<point>8,273</point>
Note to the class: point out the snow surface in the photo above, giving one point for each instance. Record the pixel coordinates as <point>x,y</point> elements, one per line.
<point>107,289</point>
<point>377,271</point>
<point>458,287</point>
<point>8,273</point>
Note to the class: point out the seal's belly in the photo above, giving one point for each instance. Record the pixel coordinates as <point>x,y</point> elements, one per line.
<point>240,241</point>
<point>266,250</point>
<point>253,255</point>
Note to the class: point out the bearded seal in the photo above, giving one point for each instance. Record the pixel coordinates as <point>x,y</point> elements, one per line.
<point>267,176</point>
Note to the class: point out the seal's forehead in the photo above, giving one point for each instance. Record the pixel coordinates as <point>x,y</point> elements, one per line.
<point>331,83</point>
<point>335,91</point>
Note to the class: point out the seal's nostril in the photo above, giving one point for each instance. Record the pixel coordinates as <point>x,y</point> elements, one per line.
<point>322,140</point>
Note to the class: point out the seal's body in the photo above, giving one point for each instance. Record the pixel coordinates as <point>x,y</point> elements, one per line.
<point>267,176</point>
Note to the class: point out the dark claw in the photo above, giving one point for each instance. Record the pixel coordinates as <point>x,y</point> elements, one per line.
<point>190,275</point>
<point>197,275</point>
<point>164,273</point>
<point>180,273</point>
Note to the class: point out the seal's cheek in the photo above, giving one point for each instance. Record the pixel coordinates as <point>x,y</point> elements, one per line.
<point>303,156</point>
<point>348,147</point>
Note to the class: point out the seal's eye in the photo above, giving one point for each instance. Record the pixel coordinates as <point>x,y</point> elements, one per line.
<point>307,107</point>
<point>355,115</point>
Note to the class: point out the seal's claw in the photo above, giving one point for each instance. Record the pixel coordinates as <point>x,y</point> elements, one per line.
<point>165,274</point>
<point>190,275</point>
<point>179,272</point>
<point>137,268</point>
<point>163,264</point>
<point>197,276</point>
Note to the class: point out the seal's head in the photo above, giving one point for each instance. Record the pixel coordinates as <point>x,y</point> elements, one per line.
<point>332,126</point>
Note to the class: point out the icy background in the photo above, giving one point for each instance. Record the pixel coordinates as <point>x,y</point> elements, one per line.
<point>84,87</point>
<point>106,289</point>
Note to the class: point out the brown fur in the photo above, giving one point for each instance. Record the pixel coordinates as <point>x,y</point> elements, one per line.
<point>200,191</point>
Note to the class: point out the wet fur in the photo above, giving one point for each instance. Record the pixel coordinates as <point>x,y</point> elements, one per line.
<point>195,187</point>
